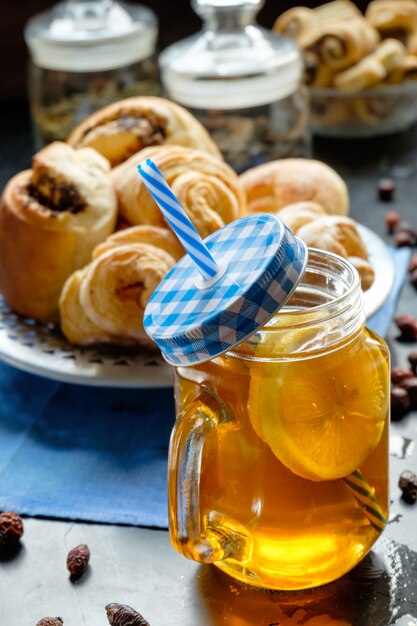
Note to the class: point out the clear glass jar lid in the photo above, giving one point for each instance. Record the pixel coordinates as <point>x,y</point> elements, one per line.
<point>232,63</point>
<point>91,35</point>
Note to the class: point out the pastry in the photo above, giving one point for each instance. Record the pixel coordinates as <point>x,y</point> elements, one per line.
<point>272,186</point>
<point>51,218</point>
<point>300,213</point>
<point>121,129</point>
<point>367,73</point>
<point>316,74</point>
<point>340,43</point>
<point>105,301</point>
<point>339,235</point>
<point>365,270</point>
<point>159,237</point>
<point>298,20</point>
<point>294,22</point>
<point>208,189</point>
<point>405,71</point>
<point>345,238</point>
<point>393,18</point>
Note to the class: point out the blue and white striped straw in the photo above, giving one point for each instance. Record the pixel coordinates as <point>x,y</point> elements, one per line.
<point>178,219</point>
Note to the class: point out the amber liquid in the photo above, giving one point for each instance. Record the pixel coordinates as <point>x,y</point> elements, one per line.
<point>286,532</point>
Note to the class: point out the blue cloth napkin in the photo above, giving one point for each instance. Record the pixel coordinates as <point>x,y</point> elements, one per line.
<point>95,454</point>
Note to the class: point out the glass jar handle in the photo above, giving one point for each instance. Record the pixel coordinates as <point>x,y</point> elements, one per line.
<point>195,539</point>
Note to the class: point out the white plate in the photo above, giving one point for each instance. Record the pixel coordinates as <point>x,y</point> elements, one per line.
<point>383,264</point>
<point>42,349</point>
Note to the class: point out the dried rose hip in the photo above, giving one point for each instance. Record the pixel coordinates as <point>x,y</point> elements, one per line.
<point>400,374</point>
<point>11,528</point>
<point>400,403</point>
<point>410,385</point>
<point>386,189</point>
<point>412,359</point>
<point>408,485</point>
<point>123,615</point>
<point>403,238</point>
<point>407,325</point>
<point>50,621</point>
<point>413,278</point>
<point>413,263</point>
<point>77,560</point>
<point>392,219</point>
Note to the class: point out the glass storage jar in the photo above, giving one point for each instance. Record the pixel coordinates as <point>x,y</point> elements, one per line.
<point>243,83</point>
<point>278,466</point>
<point>84,55</point>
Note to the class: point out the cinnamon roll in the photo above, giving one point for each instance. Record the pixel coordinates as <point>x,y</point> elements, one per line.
<point>121,129</point>
<point>298,20</point>
<point>393,19</point>
<point>208,189</point>
<point>340,43</point>
<point>51,218</point>
<point>273,186</point>
<point>105,302</point>
<point>405,71</point>
<point>159,237</point>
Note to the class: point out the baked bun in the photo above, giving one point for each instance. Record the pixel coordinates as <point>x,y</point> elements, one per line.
<point>121,129</point>
<point>105,302</point>
<point>208,189</point>
<point>274,185</point>
<point>51,219</point>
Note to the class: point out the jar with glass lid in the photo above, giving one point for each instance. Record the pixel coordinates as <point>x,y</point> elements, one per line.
<point>84,55</point>
<point>242,81</point>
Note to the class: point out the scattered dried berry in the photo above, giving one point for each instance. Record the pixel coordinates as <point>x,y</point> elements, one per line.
<point>412,359</point>
<point>408,485</point>
<point>50,621</point>
<point>123,615</point>
<point>402,238</point>
<point>410,385</point>
<point>386,189</point>
<point>413,278</point>
<point>400,374</point>
<point>77,560</point>
<point>407,325</point>
<point>392,219</point>
<point>413,263</point>
<point>400,403</point>
<point>11,528</point>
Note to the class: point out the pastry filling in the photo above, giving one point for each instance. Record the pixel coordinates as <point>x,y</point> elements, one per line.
<point>57,196</point>
<point>132,132</point>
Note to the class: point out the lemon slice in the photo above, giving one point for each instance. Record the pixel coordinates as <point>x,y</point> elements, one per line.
<point>322,417</point>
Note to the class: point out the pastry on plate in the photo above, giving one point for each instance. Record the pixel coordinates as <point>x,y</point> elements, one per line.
<point>123,128</point>
<point>51,218</point>
<point>105,302</point>
<point>273,186</point>
<point>208,189</point>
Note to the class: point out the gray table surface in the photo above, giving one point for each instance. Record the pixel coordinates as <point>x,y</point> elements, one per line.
<point>137,566</point>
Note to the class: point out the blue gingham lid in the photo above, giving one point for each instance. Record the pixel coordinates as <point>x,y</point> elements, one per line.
<point>261,263</point>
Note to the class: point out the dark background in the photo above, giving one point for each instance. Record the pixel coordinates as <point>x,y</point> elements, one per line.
<point>176,20</point>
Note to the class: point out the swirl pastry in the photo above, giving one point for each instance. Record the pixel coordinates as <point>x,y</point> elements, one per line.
<point>339,235</point>
<point>340,43</point>
<point>208,189</point>
<point>105,302</point>
<point>121,129</point>
<point>51,218</point>
<point>298,20</point>
<point>272,186</point>
<point>406,70</point>
<point>393,19</point>
<point>373,68</point>
<point>300,213</point>
<point>159,237</point>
